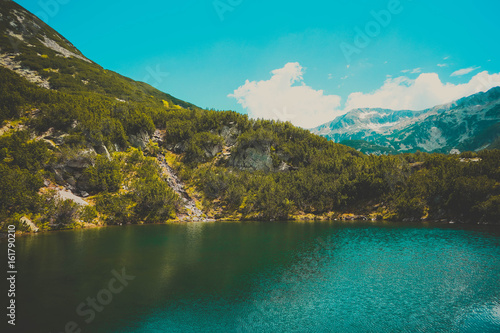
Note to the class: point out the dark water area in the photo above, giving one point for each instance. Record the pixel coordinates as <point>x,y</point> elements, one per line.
<point>259,277</point>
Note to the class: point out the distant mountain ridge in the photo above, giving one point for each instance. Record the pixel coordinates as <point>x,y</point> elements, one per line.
<point>469,124</point>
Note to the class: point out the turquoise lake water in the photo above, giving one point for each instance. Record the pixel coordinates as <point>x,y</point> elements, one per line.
<point>260,277</point>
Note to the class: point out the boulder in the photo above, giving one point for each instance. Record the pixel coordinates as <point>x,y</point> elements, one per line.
<point>139,140</point>
<point>68,195</point>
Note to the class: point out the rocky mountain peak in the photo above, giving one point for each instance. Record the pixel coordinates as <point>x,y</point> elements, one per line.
<point>470,123</point>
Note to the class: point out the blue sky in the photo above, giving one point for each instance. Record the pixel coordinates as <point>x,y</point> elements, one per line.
<point>414,54</point>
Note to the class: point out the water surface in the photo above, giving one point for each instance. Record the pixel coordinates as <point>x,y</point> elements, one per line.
<point>262,277</point>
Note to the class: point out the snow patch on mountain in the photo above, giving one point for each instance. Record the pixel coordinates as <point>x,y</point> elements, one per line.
<point>470,123</point>
<point>368,114</point>
<point>435,140</point>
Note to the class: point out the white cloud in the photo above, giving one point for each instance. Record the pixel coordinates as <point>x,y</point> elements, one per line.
<point>281,98</point>
<point>285,96</point>
<point>446,58</point>
<point>464,71</point>
<point>412,71</point>
<point>442,65</point>
<point>344,77</point>
<point>426,91</point>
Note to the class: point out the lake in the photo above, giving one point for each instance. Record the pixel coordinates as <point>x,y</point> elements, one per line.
<point>260,277</point>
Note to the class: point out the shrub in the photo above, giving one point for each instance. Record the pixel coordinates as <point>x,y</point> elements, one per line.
<point>104,175</point>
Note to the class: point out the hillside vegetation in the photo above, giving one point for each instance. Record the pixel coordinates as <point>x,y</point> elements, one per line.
<point>137,155</point>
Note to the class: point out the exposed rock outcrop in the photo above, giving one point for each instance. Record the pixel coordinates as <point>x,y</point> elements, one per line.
<point>193,212</point>
<point>254,157</point>
<point>67,195</point>
<point>211,150</point>
<point>83,160</point>
<point>230,134</point>
<point>7,61</point>
<point>70,173</point>
<point>158,136</point>
<point>30,225</point>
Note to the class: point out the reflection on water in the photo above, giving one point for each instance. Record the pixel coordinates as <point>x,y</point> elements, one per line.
<point>267,277</point>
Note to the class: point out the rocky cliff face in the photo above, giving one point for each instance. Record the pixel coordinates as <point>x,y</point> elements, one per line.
<point>253,157</point>
<point>471,123</point>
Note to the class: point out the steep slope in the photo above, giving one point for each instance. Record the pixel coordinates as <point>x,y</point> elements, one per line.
<point>471,123</point>
<point>38,53</point>
<point>72,105</point>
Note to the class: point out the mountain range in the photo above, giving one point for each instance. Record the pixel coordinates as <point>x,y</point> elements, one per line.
<point>468,124</point>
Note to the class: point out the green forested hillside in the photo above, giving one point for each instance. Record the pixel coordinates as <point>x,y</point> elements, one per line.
<point>137,155</point>
<point>301,174</point>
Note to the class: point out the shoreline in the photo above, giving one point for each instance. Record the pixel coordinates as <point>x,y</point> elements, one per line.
<point>441,222</point>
